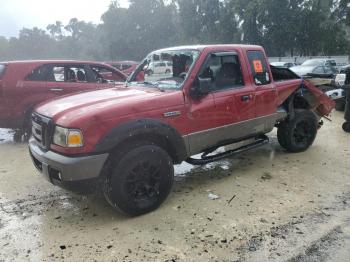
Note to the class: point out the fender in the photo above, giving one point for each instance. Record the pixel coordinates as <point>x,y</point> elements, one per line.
<point>307,96</point>
<point>145,129</point>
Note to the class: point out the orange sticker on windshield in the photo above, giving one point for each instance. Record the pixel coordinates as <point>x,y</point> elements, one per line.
<point>258,68</point>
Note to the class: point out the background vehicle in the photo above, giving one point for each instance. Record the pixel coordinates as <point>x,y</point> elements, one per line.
<point>159,68</point>
<point>24,84</point>
<point>345,96</point>
<point>126,140</point>
<point>316,66</point>
<point>338,93</point>
<point>127,67</point>
<point>283,64</point>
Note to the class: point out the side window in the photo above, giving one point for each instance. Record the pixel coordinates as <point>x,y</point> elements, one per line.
<point>119,66</point>
<point>55,74</point>
<point>38,74</point>
<point>224,70</point>
<point>126,67</point>
<point>319,70</point>
<point>104,75</point>
<point>259,67</point>
<point>75,74</point>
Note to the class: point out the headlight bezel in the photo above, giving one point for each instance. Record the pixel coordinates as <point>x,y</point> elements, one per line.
<point>62,136</point>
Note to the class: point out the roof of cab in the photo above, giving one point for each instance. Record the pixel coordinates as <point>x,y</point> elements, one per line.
<point>202,47</point>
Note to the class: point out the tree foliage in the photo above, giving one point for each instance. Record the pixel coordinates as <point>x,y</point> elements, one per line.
<point>283,27</point>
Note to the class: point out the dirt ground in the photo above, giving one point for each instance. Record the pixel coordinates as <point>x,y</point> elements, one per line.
<point>272,206</point>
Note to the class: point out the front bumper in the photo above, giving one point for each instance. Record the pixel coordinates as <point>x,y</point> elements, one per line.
<point>59,169</point>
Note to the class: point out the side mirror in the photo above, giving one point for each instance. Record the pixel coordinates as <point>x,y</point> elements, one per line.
<point>201,87</point>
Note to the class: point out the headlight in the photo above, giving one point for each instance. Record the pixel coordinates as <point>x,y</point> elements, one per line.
<point>66,137</point>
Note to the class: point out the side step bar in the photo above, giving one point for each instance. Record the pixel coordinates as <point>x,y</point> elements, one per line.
<point>205,159</point>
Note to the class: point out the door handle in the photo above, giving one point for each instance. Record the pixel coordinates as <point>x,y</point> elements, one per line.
<point>245,98</point>
<point>57,89</point>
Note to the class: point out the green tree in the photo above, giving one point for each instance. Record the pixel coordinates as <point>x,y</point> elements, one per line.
<point>55,30</point>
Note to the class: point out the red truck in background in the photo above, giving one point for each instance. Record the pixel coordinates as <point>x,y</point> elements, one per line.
<point>24,84</point>
<point>127,67</point>
<point>126,139</point>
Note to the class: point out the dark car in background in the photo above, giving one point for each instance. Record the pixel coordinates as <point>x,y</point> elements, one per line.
<point>316,66</point>
<point>127,67</point>
<point>283,64</point>
<point>24,84</point>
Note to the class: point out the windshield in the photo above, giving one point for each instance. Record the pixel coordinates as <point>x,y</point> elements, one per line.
<point>165,69</point>
<point>312,63</point>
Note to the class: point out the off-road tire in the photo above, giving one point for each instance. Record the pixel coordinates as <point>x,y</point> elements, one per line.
<point>139,179</point>
<point>346,127</point>
<point>298,134</point>
<point>340,106</point>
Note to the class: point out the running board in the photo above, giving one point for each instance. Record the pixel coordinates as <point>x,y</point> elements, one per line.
<point>205,159</point>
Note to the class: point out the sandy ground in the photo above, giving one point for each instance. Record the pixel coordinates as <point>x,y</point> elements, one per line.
<point>272,206</point>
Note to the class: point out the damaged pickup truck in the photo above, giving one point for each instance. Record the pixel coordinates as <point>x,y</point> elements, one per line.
<point>127,139</point>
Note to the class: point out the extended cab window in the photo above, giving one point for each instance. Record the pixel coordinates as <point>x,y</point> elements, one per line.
<point>259,67</point>
<point>224,70</point>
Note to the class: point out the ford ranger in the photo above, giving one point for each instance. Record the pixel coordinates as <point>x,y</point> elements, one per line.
<point>126,139</point>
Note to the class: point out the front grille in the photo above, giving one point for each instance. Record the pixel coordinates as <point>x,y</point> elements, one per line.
<point>42,130</point>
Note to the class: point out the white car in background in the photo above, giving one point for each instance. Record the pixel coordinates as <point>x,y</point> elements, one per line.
<point>161,67</point>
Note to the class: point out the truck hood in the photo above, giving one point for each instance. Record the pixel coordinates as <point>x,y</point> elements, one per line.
<point>94,100</point>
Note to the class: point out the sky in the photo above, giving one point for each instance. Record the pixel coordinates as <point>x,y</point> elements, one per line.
<point>16,14</point>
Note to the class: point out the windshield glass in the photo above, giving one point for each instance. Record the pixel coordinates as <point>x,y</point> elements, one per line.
<point>313,63</point>
<point>165,69</point>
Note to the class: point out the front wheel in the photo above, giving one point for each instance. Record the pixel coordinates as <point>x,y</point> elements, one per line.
<point>299,133</point>
<point>140,180</point>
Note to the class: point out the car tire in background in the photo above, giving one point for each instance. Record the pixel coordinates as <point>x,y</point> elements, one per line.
<point>139,178</point>
<point>346,127</point>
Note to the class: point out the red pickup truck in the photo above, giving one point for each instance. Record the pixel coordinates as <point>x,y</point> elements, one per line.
<point>24,84</point>
<point>126,139</point>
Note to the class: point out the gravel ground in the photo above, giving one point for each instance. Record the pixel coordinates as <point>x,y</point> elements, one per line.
<point>264,205</point>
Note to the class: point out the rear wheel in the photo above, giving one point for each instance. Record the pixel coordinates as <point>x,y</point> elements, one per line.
<point>299,133</point>
<point>140,180</point>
